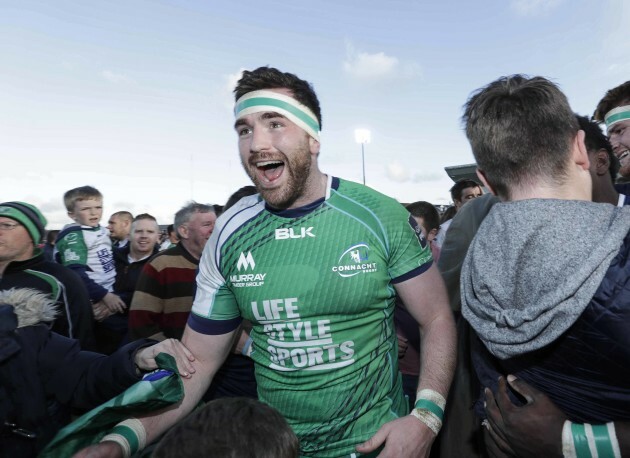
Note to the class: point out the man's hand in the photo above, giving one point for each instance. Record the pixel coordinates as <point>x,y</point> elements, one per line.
<point>402,346</point>
<point>530,431</point>
<point>107,449</point>
<point>101,311</point>
<point>114,303</point>
<point>145,357</point>
<point>406,437</point>
<point>239,345</point>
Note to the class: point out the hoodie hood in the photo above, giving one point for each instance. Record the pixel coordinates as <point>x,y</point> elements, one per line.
<point>29,305</point>
<point>534,266</point>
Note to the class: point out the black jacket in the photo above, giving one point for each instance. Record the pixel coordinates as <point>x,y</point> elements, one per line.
<point>127,273</point>
<point>64,287</point>
<point>44,374</point>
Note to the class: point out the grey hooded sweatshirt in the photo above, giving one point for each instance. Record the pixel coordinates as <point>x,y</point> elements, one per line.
<point>534,267</point>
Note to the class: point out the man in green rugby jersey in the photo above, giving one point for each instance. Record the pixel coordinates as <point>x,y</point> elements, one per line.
<point>314,262</point>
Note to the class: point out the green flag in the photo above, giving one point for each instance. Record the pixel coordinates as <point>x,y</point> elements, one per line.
<point>155,391</point>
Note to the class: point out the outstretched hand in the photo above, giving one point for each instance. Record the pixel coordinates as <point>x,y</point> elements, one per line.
<point>530,431</point>
<point>145,357</point>
<point>405,437</point>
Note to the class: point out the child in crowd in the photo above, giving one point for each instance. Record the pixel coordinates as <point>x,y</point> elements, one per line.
<point>85,247</point>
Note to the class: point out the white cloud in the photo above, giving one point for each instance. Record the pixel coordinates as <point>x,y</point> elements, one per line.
<point>379,65</point>
<point>114,77</point>
<point>402,173</point>
<point>226,94</point>
<point>232,79</point>
<point>397,172</point>
<point>534,7</point>
<point>424,177</point>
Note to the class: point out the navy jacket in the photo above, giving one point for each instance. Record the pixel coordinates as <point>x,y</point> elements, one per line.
<point>62,285</point>
<point>586,372</point>
<point>43,375</point>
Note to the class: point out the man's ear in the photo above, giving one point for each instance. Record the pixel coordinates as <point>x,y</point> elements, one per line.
<point>578,151</point>
<point>72,217</point>
<point>602,162</point>
<point>182,232</point>
<point>313,145</point>
<point>482,176</point>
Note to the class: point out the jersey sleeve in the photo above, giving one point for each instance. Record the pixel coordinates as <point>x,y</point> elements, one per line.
<point>410,254</point>
<point>215,310</point>
<point>72,249</point>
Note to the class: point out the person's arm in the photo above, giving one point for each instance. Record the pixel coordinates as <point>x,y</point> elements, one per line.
<point>209,352</point>
<point>534,429</point>
<point>425,298</point>
<point>84,379</point>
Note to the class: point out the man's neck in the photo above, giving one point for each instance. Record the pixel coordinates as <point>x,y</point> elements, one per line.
<point>571,189</point>
<point>137,256</point>
<point>607,195</point>
<point>25,256</point>
<point>193,252</point>
<point>315,189</point>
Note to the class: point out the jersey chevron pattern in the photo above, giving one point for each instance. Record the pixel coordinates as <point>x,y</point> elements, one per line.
<point>317,284</point>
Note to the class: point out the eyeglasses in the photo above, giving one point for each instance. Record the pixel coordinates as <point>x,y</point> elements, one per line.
<point>8,226</point>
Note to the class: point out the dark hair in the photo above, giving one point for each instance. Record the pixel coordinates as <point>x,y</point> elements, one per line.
<point>615,97</point>
<point>245,191</point>
<point>170,229</point>
<point>595,140</point>
<point>460,185</point>
<point>230,428</point>
<point>520,130</point>
<point>51,236</point>
<point>427,212</point>
<point>449,213</point>
<point>272,78</point>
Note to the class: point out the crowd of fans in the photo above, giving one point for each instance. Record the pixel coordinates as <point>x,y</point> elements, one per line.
<point>538,294</point>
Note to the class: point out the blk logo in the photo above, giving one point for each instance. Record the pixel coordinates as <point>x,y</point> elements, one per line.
<point>290,233</point>
<point>246,261</point>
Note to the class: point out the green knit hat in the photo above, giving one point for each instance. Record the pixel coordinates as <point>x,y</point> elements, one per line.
<point>28,216</point>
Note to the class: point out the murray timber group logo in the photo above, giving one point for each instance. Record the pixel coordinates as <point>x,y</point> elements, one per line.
<point>247,280</point>
<point>246,261</point>
<point>354,261</point>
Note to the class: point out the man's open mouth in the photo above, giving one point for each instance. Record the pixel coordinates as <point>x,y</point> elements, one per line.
<point>271,170</point>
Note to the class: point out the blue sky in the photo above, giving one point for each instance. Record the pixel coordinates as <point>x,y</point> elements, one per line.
<point>134,97</point>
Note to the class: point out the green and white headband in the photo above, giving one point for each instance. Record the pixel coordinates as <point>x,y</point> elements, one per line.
<point>617,115</point>
<point>264,100</point>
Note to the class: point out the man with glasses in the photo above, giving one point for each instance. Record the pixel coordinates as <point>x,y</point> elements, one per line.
<point>22,265</point>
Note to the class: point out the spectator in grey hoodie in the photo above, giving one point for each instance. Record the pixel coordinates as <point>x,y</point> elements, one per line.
<point>544,284</point>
